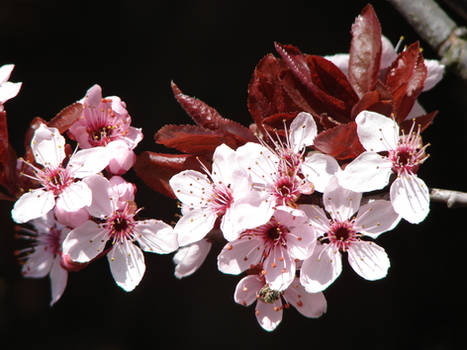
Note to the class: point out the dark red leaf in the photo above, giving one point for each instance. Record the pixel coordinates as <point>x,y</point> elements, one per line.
<point>4,142</point>
<point>365,51</point>
<point>341,142</point>
<point>372,101</point>
<point>66,117</point>
<point>156,169</point>
<point>421,122</point>
<point>275,123</point>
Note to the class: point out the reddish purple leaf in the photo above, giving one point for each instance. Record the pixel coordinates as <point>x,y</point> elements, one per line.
<point>421,122</point>
<point>156,169</point>
<point>4,142</point>
<point>66,117</point>
<point>341,142</point>
<point>365,51</point>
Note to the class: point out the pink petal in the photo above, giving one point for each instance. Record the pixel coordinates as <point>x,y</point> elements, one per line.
<point>74,197</point>
<point>88,162</point>
<point>377,132</point>
<point>156,236</point>
<point>279,269</point>
<point>85,242</point>
<point>194,226</point>
<point>318,168</point>
<point>48,146</point>
<point>122,190</point>
<point>341,60</point>
<point>101,205</point>
<point>93,97</point>
<point>368,172</point>
<point>410,198</point>
<point>303,131</point>
<point>369,260</point>
<point>247,289</point>
<point>301,241</point>
<point>38,263</point>
<point>321,269</point>
<point>191,187</point>
<point>388,53</point>
<point>308,304</point>
<point>126,264</point>
<point>32,205</point>
<point>434,74</point>
<point>223,164</point>
<point>260,162</point>
<point>240,255</point>
<point>339,202</point>
<point>269,315</point>
<point>122,159</point>
<point>375,218</point>
<point>318,218</point>
<point>71,218</point>
<point>188,259</point>
<point>132,137</point>
<point>58,281</point>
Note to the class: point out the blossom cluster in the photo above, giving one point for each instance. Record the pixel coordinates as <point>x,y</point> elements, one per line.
<point>330,163</point>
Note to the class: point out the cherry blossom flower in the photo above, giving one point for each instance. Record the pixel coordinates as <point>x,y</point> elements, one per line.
<point>269,306</point>
<point>287,237</point>
<point>225,193</point>
<point>116,223</point>
<point>8,90</point>
<point>371,171</point>
<point>188,259</point>
<point>106,122</point>
<point>342,233</point>
<point>59,184</point>
<point>44,257</point>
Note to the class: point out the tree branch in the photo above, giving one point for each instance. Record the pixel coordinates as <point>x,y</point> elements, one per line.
<point>438,30</point>
<point>451,198</point>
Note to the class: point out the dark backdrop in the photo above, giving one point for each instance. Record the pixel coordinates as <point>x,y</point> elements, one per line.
<point>210,48</point>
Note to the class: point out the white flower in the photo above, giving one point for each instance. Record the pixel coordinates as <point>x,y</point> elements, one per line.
<point>128,237</point>
<point>8,90</point>
<point>371,171</point>
<point>342,233</point>
<point>58,184</point>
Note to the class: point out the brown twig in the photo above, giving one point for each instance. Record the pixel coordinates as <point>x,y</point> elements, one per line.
<point>451,198</point>
<point>438,30</point>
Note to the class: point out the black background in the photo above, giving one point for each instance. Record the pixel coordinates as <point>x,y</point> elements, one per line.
<point>210,48</point>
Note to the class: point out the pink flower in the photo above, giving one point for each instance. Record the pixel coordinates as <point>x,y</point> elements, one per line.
<point>287,237</point>
<point>225,194</point>
<point>115,223</point>
<point>8,90</point>
<point>45,255</point>
<point>106,122</point>
<point>342,233</point>
<point>269,306</point>
<point>404,154</point>
<point>58,184</point>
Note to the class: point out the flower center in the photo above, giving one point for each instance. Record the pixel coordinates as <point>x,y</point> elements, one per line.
<point>120,226</point>
<point>221,199</point>
<point>100,136</point>
<point>273,232</point>
<point>342,235</point>
<point>54,180</point>
<point>286,190</point>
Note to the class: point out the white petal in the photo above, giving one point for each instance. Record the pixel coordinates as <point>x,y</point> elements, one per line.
<point>416,111</point>
<point>58,281</point>
<point>369,260</point>
<point>32,205</point>
<point>156,236</point>
<point>247,289</point>
<point>126,264</point>
<point>339,202</point>
<point>341,60</point>
<point>388,53</point>
<point>435,73</point>
<point>5,72</point>
<point>194,226</point>
<point>38,263</point>
<point>368,172</point>
<point>269,315</point>
<point>377,132</point>
<point>261,163</point>
<point>318,218</point>
<point>321,269</point>
<point>188,259</point>
<point>48,146</point>
<point>74,197</point>
<point>308,304</point>
<point>8,90</point>
<point>133,137</point>
<point>279,269</point>
<point>223,164</point>
<point>101,204</point>
<point>410,198</point>
<point>239,255</point>
<point>303,131</point>
<point>88,162</point>
<point>318,169</point>
<point>376,217</point>
<point>85,242</point>
<point>191,188</point>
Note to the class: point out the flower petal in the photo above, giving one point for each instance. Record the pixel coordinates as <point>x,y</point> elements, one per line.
<point>87,162</point>
<point>318,218</point>
<point>308,304</point>
<point>223,164</point>
<point>188,259</point>
<point>368,172</point>
<point>240,255</point>
<point>8,90</point>
<point>434,74</point>
<point>48,146</point>
<point>376,217</point>
<point>191,187</point>
<point>269,315</point>
<point>194,226</point>
<point>303,131</point>
<point>410,198</point>
<point>339,202</point>
<point>5,72</point>
<point>85,242</point>
<point>126,264</point>
<point>101,204</point>
<point>32,205</point>
<point>319,168</point>
<point>369,260</point>
<point>247,290</point>
<point>279,269</point>
<point>58,281</point>
<point>38,263</point>
<point>122,157</point>
<point>74,197</point>
<point>377,132</point>
<point>156,236</point>
<point>321,269</point>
